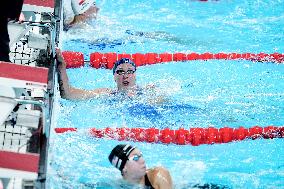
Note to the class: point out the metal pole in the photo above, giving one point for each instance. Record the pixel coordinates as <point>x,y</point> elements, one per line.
<point>41,181</point>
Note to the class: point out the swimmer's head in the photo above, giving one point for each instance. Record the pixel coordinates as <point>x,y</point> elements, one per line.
<point>124,74</point>
<point>81,6</point>
<point>123,61</point>
<point>119,155</point>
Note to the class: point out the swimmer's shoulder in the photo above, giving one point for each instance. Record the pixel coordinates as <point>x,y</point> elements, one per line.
<point>155,170</point>
<point>159,176</point>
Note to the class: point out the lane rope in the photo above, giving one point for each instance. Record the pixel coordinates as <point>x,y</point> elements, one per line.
<point>181,136</point>
<point>107,60</point>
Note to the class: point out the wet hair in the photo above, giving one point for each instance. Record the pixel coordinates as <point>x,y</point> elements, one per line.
<point>119,155</point>
<point>123,61</point>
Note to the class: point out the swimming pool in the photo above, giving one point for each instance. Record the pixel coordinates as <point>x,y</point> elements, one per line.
<point>201,93</point>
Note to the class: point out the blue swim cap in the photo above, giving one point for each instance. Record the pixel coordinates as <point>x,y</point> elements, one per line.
<point>123,61</point>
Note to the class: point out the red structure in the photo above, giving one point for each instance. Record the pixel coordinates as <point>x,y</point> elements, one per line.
<point>107,60</point>
<point>192,136</point>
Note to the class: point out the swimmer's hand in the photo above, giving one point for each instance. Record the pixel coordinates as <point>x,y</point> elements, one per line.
<point>91,13</point>
<point>60,59</point>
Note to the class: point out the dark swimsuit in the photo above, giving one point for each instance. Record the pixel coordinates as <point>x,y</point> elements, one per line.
<point>148,183</point>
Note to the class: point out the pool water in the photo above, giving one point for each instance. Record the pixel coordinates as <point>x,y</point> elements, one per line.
<point>182,26</point>
<point>214,93</point>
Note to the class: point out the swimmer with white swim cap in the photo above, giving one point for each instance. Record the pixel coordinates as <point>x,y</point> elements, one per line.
<point>78,11</point>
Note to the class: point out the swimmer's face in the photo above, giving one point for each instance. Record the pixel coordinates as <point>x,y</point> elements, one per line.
<point>135,166</point>
<point>125,76</point>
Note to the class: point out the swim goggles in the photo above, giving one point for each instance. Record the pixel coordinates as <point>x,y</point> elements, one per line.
<point>122,72</point>
<point>136,157</point>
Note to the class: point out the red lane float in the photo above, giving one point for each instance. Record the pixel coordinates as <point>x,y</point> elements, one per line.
<point>73,59</point>
<point>193,136</point>
<point>107,60</point>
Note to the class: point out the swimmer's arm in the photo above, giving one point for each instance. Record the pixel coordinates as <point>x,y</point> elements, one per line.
<point>163,179</point>
<point>81,94</point>
<point>81,18</point>
<point>69,92</point>
<point>68,13</point>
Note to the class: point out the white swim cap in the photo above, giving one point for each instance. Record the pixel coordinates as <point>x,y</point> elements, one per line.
<point>81,6</point>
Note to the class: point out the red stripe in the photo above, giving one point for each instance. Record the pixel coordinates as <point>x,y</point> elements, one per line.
<point>63,130</point>
<point>81,2</point>
<point>17,161</point>
<point>26,73</point>
<point>44,3</point>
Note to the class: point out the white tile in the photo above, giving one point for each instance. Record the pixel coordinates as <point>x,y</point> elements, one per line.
<point>9,128</point>
<point>1,138</point>
<point>17,129</point>
<point>2,127</point>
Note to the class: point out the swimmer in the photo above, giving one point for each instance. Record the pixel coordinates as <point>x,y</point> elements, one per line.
<point>78,11</point>
<point>129,160</point>
<point>124,74</point>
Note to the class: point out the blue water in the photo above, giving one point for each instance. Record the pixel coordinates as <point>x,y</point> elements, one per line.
<point>199,93</point>
<point>184,26</point>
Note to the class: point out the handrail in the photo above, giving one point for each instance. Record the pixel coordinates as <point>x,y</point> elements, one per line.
<point>52,75</point>
<point>24,101</point>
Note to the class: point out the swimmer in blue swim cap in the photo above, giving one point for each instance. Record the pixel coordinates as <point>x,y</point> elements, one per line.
<point>130,161</point>
<point>124,74</point>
